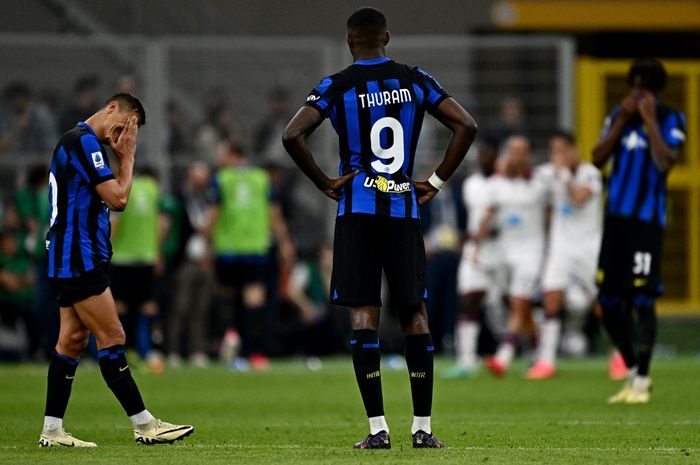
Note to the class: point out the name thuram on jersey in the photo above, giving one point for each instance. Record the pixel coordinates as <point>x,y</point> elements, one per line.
<point>376,107</point>
<point>384,98</point>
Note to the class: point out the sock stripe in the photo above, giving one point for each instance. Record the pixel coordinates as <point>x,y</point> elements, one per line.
<point>419,361</point>
<point>112,352</point>
<point>365,360</point>
<point>366,345</point>
<point>71,360</point>
<point>117,375</point>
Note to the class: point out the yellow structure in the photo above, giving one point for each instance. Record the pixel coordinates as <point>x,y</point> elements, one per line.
<point>596,15</point>
<point>601,84</point>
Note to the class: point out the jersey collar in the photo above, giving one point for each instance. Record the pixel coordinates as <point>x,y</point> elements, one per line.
<point>86,126</point>
<point>373,61</point>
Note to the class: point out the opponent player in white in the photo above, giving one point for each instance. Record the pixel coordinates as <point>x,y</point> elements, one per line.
<point>574,242</point>
<point>476,278</point>
<point>518,208</point>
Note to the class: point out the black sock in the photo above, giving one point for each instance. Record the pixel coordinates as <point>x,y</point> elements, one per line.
<point>617,320</point>
<point>259,327</point>
<point>419,359</point>
<point>60,380</point>
<point>646,331</point>
<point>365,360</point>
<point>116,373</point>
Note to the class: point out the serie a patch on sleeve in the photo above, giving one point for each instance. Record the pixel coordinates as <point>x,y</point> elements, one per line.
<point>98,160</point>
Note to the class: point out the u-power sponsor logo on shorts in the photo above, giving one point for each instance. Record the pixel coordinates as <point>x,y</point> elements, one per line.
<point>383,184</point>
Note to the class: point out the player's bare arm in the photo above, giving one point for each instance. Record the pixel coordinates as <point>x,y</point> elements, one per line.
<point>281,231</point>
<point>301,126</point>
<point>208,229</point>
<point>115,192</point>
<point>484,229</point>
<point>664,156</point>
<point>578,194</point>
<point>604,149</point>
<point>463,127</point>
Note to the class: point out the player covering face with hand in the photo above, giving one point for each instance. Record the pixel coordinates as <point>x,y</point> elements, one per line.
<point>568,280</point>
<point>376,107</point>
<point>82,190</point>
<point>518,207</point>
<point>643,138</point>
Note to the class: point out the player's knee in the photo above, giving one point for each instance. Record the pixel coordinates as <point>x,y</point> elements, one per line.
<point>644,303</point>
<point>414,320</point>
<point>365,318</point>
<point>471,305</point>
<point>73,344</point>
<point>609,302</point>
<point>119,336</point>
<point>644,306</point>
<point>552,302</point>
<point>111,337</point>
<point>254,295</point>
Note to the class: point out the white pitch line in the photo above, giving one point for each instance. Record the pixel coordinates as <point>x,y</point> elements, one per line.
<point>625,423</point>
<point>581,449</point>
<point>479,448</point>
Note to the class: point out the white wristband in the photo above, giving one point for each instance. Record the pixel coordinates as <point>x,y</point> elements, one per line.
<point>435,181</point>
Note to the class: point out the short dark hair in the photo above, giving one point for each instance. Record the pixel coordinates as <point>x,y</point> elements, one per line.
<point>367,19</point>
<point>491,141</point>
<point>563,134</point>
<point>235,147</point>
<point>147,170</point>
<point>651,73</point>
<point>130,102</point>
<point>522,135</point>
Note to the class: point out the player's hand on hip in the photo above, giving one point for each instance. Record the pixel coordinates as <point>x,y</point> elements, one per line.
<point>424,191</point>
<point>335,185</point>
<point>125,145</point>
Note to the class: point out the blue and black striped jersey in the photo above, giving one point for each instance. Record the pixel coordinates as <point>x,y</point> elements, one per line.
<point>377,107</point>
<point>636,186</point>
<point>78,238</point>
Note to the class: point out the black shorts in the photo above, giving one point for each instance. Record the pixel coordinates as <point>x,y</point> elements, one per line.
<point>365,245</point>
<point>240,272</point>
<point>72,290</point>
<point>630,257</point>
<point>133,284</point>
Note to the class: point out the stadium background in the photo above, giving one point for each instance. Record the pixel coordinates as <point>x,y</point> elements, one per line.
<point>566,65</point>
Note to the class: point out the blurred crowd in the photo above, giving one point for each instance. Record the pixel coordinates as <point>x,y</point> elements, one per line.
<point>228,263</point>
<point>203,268</point>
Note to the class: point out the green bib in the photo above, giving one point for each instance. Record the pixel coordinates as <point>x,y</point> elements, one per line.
<point>135,240</point>
<point>243,225</point>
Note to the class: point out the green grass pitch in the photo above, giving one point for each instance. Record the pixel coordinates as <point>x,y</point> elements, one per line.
<point>292,415</point>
